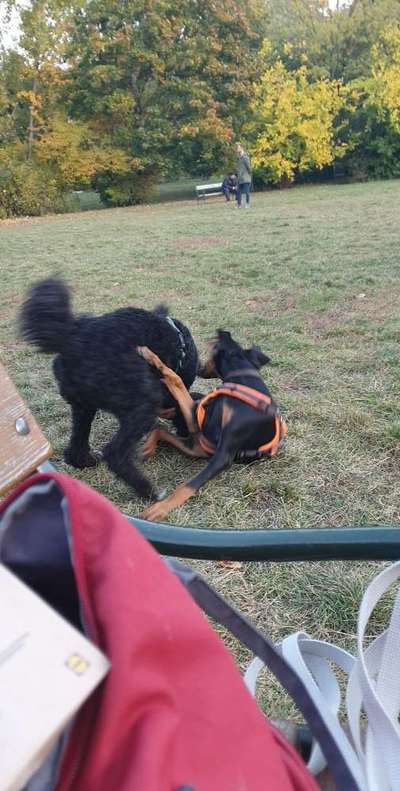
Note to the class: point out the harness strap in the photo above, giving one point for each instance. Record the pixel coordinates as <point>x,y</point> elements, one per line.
<point>258,401</point>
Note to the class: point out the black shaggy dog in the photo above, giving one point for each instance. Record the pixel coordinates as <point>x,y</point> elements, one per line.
<point>97,367</point>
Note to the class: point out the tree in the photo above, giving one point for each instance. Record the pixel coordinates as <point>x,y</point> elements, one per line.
<point>335,42</point>
<point>42,44</point>
<point>169,81</point>
<point>373,111</point>
<point>294,124</point>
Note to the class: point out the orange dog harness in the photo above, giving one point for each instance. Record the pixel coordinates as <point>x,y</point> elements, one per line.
<point>260,402</point>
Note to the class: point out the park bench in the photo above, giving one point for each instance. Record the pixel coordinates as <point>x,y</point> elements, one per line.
<point>208,190</point>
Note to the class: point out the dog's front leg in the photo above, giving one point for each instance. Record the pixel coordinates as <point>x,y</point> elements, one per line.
<point>161,435</point>
<point>119,452</point>
<point>78,453</point>
<point>223,459</point>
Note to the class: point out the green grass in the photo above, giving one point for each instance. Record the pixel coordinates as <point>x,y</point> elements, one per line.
<point>312,276</point>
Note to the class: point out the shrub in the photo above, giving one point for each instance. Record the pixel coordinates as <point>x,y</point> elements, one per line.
<point>27,190</point>
<point>125,190</point>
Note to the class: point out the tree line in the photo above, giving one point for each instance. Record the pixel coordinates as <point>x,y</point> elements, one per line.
<point>118,96</point>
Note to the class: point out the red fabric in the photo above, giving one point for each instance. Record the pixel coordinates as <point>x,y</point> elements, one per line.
<point>173,710</point>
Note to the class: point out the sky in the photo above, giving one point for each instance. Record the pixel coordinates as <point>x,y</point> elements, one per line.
<point>9,32</point>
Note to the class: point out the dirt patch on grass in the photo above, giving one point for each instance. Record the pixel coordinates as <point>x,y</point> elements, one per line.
<point>298,387</point>
<point>255,305</point>
<point>200,241</point>
<point>321,323</point>
<point>88,214</point>
<point>49,218</point>
<point>9,306</point>
<point>23,220</point>
<point>379,307</point>
<point>374,308</point>
<point>278,302</point>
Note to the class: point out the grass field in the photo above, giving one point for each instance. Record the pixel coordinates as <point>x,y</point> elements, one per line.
<point>310,274</point>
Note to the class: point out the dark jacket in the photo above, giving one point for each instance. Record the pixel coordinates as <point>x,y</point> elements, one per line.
<point>244,169</point>
<point>229,183</point>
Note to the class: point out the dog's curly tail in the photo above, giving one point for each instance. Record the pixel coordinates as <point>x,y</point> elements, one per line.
<point>46,318</point>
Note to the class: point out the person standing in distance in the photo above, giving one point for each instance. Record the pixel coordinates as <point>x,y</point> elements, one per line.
<point>243,176</point>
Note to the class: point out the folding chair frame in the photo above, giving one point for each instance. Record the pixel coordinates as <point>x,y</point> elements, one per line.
<point>380,542</point>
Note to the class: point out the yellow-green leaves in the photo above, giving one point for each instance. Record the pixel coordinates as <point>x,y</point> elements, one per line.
<point>294,123</point>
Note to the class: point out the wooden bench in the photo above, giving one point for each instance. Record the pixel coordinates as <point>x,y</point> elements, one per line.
<point>23,446</point>
<point>207,190</point>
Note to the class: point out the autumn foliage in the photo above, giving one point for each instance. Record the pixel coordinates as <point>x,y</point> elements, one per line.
<point>117,96</point>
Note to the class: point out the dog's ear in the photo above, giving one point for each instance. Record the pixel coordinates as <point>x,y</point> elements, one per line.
<point>224,336</point>
<point>257,357</point>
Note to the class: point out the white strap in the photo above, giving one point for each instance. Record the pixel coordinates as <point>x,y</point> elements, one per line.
<point>381,699</point>
<point>373,688</point>
<point>311,660</point>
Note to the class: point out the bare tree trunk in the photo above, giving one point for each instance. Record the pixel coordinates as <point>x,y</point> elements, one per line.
<point>353,7</point>
<point>31,128</point>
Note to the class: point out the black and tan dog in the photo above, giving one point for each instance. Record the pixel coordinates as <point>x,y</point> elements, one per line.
<point>238,421</point>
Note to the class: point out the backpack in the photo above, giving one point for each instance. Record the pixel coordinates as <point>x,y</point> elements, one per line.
<point>173,713</point>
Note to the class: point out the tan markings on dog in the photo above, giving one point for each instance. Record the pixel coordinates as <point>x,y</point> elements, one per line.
<point>194,452</point>
<point>159,510</point>
<point>150,446</point>
<point>207,371</point>
<point>227,412</point>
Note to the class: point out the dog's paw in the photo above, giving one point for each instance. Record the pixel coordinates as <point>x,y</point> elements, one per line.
<point>150,357</point>
<point>145,352</point>
<point>83,460</point>
<point>156,512</point>
<point>233,565</point>
<point>150,446</point>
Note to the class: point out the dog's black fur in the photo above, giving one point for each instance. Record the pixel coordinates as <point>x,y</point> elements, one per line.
<point>97,367</point>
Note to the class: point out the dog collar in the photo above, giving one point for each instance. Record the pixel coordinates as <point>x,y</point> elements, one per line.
<point>182,350</point>
<point>242,372</point>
